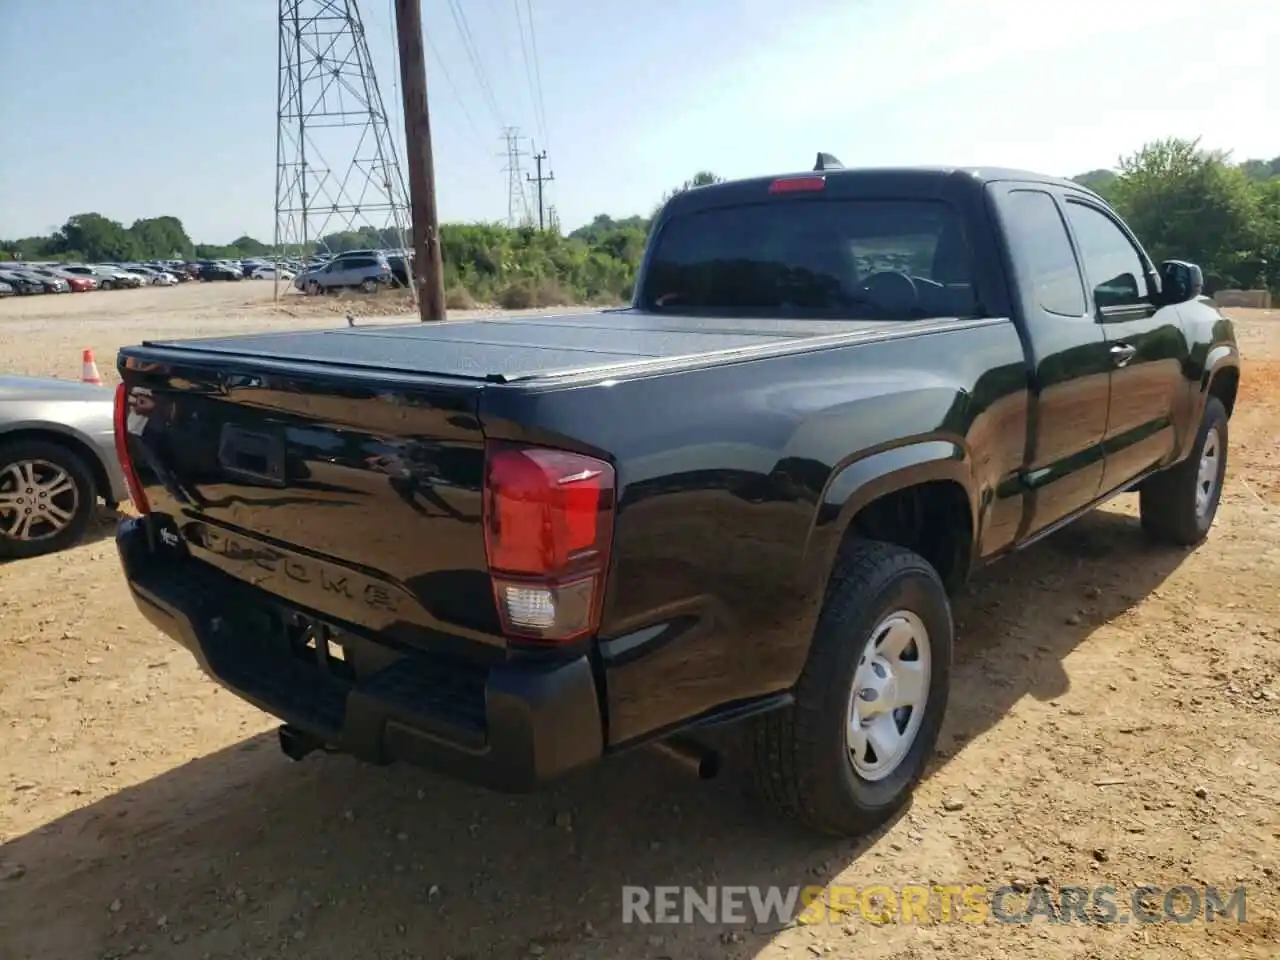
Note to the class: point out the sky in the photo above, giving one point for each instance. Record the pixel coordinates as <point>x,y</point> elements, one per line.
<point>142,108</point>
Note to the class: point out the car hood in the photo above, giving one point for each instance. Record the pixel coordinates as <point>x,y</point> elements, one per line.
<point>50,388</point>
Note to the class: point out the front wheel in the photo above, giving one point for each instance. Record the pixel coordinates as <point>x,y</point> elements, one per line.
<point>311,288</point>
<point>846,756</point>
<point>1178,505</point>
<point>105,285</point>
<point>47,497</point>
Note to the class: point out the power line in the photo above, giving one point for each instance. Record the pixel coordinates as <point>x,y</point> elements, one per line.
<point>534,97</point>
<point>444,71</point>
<point>397,135</point>
<point>477,65</point>
<point>457,95</point>
<point>537,69</point>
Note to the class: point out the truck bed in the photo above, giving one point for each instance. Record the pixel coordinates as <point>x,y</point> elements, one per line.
<point>506,349</point>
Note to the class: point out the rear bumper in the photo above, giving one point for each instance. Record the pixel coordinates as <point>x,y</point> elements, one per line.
<point>509,727</point>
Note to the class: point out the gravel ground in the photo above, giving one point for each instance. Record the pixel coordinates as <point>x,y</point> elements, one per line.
<point>1115,720</point>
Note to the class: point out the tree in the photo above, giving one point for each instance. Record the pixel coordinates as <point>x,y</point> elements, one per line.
<point>1261,169</point>
<point>1101,182</point>
<point>161,237</point>
<point>703,178</point>
<point>363,238</point>
<point>96,238</point>
<point>251,247</point>
<point>604,225</point>
<point>1189,203</point>
<point>1268,247</point>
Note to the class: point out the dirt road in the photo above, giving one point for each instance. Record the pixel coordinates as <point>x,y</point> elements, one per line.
<point>1115,720</point>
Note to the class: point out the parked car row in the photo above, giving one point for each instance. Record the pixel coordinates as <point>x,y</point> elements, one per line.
<point>248,269</point>
<point>23,278</point>
<point>368,270</point>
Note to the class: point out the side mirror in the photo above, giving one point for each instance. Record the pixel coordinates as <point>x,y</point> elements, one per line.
<point>1180,281</point>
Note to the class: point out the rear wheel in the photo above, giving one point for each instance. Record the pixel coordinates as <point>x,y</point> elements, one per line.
<point>870,701</point>
<point>369,285</point>
<point>1178,505</point>
<point>47,497</point>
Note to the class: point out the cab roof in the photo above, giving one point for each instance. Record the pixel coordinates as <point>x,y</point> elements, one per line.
<point>832,179</point>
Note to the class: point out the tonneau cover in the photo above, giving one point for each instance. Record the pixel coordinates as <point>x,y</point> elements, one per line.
<point>511,348</point>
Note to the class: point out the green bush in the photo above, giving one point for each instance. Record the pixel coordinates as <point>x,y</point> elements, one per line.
<point>518,295</point>
<point>458,297</point>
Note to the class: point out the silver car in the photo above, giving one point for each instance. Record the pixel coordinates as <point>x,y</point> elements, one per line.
<point>57,458</point>
<point>367,269</point>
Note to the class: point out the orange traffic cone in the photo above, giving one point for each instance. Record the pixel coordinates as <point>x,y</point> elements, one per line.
<point>89,369</point>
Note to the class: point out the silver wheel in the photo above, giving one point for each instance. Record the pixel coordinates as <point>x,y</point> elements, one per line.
<point>38,500</point>
<point>890,690</point>
<point>1207,475</point>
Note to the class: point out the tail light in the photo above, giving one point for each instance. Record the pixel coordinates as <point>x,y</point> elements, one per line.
<point>548,526</point>
<point>797,184</point>
<point>121,419</point>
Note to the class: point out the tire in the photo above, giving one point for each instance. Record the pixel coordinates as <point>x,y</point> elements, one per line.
<point>53,465</point>
<point>804,755</point>
<point>311,288</point>
<point>105,285</point>
<point>369,285</point>
<point>1178,505</point>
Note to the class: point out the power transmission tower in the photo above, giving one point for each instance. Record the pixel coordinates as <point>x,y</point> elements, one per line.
<point>517,201</point>
<point>336,163</point>
<point>540,180</point>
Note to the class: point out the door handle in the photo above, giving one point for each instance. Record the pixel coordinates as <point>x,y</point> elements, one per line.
<point>1122,353</point>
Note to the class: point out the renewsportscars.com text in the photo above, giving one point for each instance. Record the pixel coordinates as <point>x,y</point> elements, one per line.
<point>932,904</point>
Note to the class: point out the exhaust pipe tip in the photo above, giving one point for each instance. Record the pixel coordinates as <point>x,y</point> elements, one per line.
<point>697,758</point>
<point>297,744</point>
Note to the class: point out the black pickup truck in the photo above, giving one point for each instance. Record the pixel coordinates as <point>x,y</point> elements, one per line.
<point>504,548</point>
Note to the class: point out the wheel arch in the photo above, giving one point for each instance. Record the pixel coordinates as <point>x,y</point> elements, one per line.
<point>1223,381</point>
<point>922,496</point>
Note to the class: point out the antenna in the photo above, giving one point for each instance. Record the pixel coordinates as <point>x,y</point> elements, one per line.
<point>827,161</point>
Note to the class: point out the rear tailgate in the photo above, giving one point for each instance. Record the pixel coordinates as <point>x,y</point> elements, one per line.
<point>343,470</point>
<point>359,500</point>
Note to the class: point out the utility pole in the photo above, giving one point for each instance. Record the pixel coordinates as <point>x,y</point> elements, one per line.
<point>540,180</point>
<point>428,267</point>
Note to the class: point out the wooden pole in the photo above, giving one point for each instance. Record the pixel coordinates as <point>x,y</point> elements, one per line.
<point>428,267</point>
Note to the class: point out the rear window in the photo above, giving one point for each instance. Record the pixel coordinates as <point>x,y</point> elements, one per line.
<point>856,259</point>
